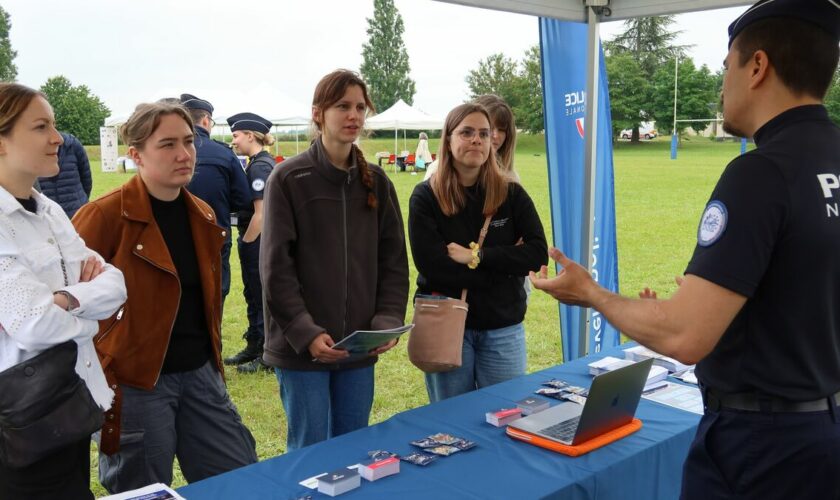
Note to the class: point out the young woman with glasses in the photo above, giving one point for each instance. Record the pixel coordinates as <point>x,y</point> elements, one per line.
<point>446,214</point>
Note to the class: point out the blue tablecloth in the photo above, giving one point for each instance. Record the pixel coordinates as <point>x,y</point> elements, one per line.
<point>647,464</point>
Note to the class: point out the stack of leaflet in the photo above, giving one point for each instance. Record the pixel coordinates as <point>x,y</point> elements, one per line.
<point>656,376</point>
<point>641,353</point>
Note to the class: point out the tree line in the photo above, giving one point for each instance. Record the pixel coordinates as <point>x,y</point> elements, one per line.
<point>640,64</point>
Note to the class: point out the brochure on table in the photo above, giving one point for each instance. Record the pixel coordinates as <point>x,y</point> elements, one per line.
<point>361,342</point>
<point>157,491</point>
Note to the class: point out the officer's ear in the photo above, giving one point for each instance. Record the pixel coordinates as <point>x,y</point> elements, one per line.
<point>759,68</point>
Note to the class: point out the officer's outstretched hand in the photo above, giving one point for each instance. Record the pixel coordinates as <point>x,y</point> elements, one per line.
<point>573,284</point>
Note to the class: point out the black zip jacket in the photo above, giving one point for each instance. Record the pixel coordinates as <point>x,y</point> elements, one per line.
<point>328,263</point>
<point>495,289</point>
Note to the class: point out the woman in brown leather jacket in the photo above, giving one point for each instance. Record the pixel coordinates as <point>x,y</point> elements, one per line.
<point>161,352</point>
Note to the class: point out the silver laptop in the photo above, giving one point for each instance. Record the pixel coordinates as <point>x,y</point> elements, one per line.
<point>611,403</point>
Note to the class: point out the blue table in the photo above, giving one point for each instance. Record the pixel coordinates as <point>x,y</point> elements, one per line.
<point>647,464</point>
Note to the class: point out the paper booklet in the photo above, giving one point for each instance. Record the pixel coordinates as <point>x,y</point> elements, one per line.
<point>361,342</point>
<point>157,491</point>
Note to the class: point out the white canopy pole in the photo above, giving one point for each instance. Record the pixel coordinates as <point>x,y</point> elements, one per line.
<point>590,164</point>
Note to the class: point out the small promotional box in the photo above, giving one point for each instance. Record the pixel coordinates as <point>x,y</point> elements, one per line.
<point>504,416</point>
<point>530,406</point>
<point>339,481</point>
<point>377,469</point>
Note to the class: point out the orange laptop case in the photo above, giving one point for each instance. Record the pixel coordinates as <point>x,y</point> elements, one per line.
<point>580,449</point>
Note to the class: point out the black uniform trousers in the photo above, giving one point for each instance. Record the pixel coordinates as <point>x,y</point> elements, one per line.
<point>64,474</point>
<point>249,260</point>
<point>764,455</point>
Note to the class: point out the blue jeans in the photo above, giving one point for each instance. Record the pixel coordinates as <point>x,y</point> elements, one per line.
<point>323,404</point>
<point>488,357</point>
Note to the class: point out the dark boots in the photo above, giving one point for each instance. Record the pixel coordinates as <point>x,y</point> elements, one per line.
<point>253,350</point>
<point>253,366</point>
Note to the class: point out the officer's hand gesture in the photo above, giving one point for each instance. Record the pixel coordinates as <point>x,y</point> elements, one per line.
<point>573,284</point>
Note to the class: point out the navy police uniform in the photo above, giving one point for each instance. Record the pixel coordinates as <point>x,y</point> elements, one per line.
<point>771,233</point>
<point>219,180</point>
<point>257,171</point>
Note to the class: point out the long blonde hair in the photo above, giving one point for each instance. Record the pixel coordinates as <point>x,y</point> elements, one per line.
<point>450,194</point>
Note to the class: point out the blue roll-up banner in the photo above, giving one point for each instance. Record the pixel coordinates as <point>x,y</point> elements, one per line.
<point>563,46</point>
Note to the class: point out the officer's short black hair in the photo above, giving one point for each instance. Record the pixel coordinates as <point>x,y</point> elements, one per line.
<point>198,114</point>
<point>803,55</point>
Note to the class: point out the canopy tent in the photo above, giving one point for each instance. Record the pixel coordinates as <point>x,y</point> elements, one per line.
<point>593,12</point>
<point>402,116</point>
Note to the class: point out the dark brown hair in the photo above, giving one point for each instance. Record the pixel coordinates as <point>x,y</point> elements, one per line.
<point>803,55</point>
<point>14,99</point>
<point>449,192</point>
<point>329,91</point>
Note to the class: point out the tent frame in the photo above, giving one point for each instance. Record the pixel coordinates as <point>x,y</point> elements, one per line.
<point>593,12</point>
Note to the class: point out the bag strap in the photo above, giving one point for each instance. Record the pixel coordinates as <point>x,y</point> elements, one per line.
<point>481,235</point>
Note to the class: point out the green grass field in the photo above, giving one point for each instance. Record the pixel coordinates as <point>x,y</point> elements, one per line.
<point>658,204</point>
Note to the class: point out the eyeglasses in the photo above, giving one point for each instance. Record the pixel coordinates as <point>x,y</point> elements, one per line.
<point>468,133</point>
<point>212,123</point>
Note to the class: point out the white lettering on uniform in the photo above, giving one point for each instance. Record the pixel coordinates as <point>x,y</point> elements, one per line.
<point>828,182</point>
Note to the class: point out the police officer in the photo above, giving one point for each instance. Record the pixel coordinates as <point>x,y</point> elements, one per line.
<point>759,307</point>
<point>250,137</point>
<point>218,179</point>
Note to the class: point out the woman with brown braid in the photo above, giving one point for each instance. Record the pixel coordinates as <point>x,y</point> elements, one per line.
<point>333,260</point>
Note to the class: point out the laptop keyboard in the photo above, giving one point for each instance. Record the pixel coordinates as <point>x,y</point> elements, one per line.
<point>564,431</point>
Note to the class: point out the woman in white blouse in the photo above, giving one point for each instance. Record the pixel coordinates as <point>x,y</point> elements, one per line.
<point>52,288</point>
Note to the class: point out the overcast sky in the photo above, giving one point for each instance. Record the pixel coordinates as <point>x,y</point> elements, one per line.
<point>268,56</point>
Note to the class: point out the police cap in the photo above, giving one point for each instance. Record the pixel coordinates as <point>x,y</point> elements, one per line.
<point>822,13</point>
<point>249,121</point>
<point>190,101</point>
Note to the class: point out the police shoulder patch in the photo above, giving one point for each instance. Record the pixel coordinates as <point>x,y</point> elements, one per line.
<point>712,223</point>
<point>258,185</point>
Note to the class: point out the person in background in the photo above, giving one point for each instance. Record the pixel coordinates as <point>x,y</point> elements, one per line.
<point>504,132</point>
<point>422,156</point>
<point>251,134</point>
<point>446,214</point>
<point>219,179</point>
<point>52,287</point>
<point>334,261</point>
<point>71,186</point>
<point>162,351</point>
<point>757,309</point>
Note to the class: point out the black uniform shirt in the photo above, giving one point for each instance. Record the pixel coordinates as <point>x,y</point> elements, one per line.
<point>771,232</point>
<point>259,168</point>
<point>219,179</point>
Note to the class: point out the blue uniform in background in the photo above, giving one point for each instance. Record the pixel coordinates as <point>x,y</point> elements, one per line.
<point>220,181</point>
<point>259,168</point>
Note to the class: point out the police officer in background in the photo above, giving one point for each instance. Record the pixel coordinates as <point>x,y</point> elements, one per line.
<point>759,307</point>
<point>250,137</point>
<point>218,179</point>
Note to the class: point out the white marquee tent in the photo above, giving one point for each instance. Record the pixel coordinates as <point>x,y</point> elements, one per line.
<point>593,12</point>
<point>402,116</point>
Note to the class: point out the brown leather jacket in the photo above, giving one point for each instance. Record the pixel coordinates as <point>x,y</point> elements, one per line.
<point>132,344</point>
